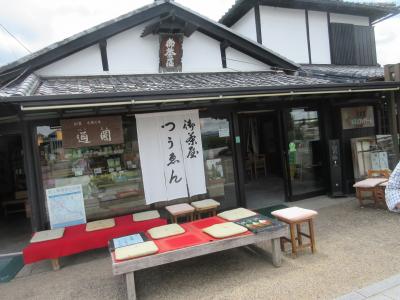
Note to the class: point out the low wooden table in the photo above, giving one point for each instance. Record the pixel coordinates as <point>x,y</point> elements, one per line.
<point>128,267</point>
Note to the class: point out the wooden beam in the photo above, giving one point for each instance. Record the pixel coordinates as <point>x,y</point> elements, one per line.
<point>223,56</point>
<point>103,52</point>
<point>258,22</point>
<point>308,37</point>
<point>190,29</point>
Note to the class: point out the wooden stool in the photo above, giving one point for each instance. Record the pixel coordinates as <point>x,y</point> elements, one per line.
<point>180,210</point>
<point>370,185</point>
<point>208,207</point>
<point>295,217</point>
<point>380,198</point>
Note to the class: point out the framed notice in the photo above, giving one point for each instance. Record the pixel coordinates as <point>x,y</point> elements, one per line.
<point>87,132</point>
<point>66,206</point>
<point>358,117</point>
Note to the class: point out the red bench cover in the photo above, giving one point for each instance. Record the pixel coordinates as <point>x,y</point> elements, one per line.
<point>193,236</point>
<point>76,239</point>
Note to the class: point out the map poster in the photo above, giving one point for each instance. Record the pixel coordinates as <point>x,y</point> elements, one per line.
<point>66,206</point>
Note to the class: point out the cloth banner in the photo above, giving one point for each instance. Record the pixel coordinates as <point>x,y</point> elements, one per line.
<point>171,155</point>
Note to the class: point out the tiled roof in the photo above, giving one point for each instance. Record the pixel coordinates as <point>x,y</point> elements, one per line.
<point>24,87</point>
<point>155,83</point>
<point>345,73</point>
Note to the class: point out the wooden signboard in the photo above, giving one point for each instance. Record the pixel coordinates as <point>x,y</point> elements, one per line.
<point>358,117</point>
<point>171,52</point>
<point>88,132</point>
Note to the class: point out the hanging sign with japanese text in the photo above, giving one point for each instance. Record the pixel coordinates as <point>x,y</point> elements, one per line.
<point>171,155</point>
<point>171,52</point>
<point>87,132</point>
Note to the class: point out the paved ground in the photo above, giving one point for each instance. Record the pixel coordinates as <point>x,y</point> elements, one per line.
<point>388,289</point>
<point>356,247</point>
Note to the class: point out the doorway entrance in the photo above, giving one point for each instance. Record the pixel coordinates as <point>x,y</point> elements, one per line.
<point>15,225</point>
<point>282,154</point>
<point>262,148</point>
<point>304,153</point>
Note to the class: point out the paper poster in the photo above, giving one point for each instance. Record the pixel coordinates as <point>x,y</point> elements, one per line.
<point>171,155</point>
<point>223,132</point>
<point>66,206</point>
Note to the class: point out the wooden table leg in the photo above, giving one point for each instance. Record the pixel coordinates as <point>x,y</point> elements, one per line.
<point>276,252</point>
<point>130,286</point>
<point>55,263</point>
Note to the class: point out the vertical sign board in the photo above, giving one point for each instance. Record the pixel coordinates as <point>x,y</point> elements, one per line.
<point>171,155</point>
<point>88,132</point>
<point>171,52</point>
<point>66,206</point>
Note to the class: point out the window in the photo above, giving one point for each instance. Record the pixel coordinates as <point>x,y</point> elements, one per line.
<point>111,175</point>
<point>218,161</point>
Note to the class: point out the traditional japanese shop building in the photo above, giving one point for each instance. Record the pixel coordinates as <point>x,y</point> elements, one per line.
<point>163,104</point>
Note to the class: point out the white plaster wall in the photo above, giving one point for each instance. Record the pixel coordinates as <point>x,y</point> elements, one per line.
<point>349,19</point>
<point>319,37</point>
<point>129,53</point>
<point>86,61</point>
<point>238,61</point>
<point>284,31</point>
<point>201,54</point>
<point>247,25</point>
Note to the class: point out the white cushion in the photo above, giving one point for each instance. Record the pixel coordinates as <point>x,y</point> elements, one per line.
<point>165,231</point>
<point>179,209</point>
<point>369,182</point>
<point>137,250</point>
<point>205,204</point>
<point>101,224</point>
<point>224,230</point>
<point>47,235</point>
<point>236,214</point>
<point>294,214</point>
<point>146,215</point>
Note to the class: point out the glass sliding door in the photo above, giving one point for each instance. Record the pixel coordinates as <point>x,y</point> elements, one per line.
<point>304,152</point>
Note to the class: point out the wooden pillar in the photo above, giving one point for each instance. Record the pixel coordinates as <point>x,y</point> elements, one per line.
<point>30,174</point>
<point>237,146</point>
<point>393,123</point>
<point>392,73</point>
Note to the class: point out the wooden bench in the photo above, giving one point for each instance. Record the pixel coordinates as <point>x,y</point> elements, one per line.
<point>128,268</point>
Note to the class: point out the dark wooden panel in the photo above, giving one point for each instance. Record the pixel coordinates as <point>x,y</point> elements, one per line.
<point>365,50</point>
<point>342,44</point>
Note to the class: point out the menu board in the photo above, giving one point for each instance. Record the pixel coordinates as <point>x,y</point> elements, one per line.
<point>66,206</point>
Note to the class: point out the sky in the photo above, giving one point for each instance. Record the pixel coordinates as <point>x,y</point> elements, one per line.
<point>39,23</point>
